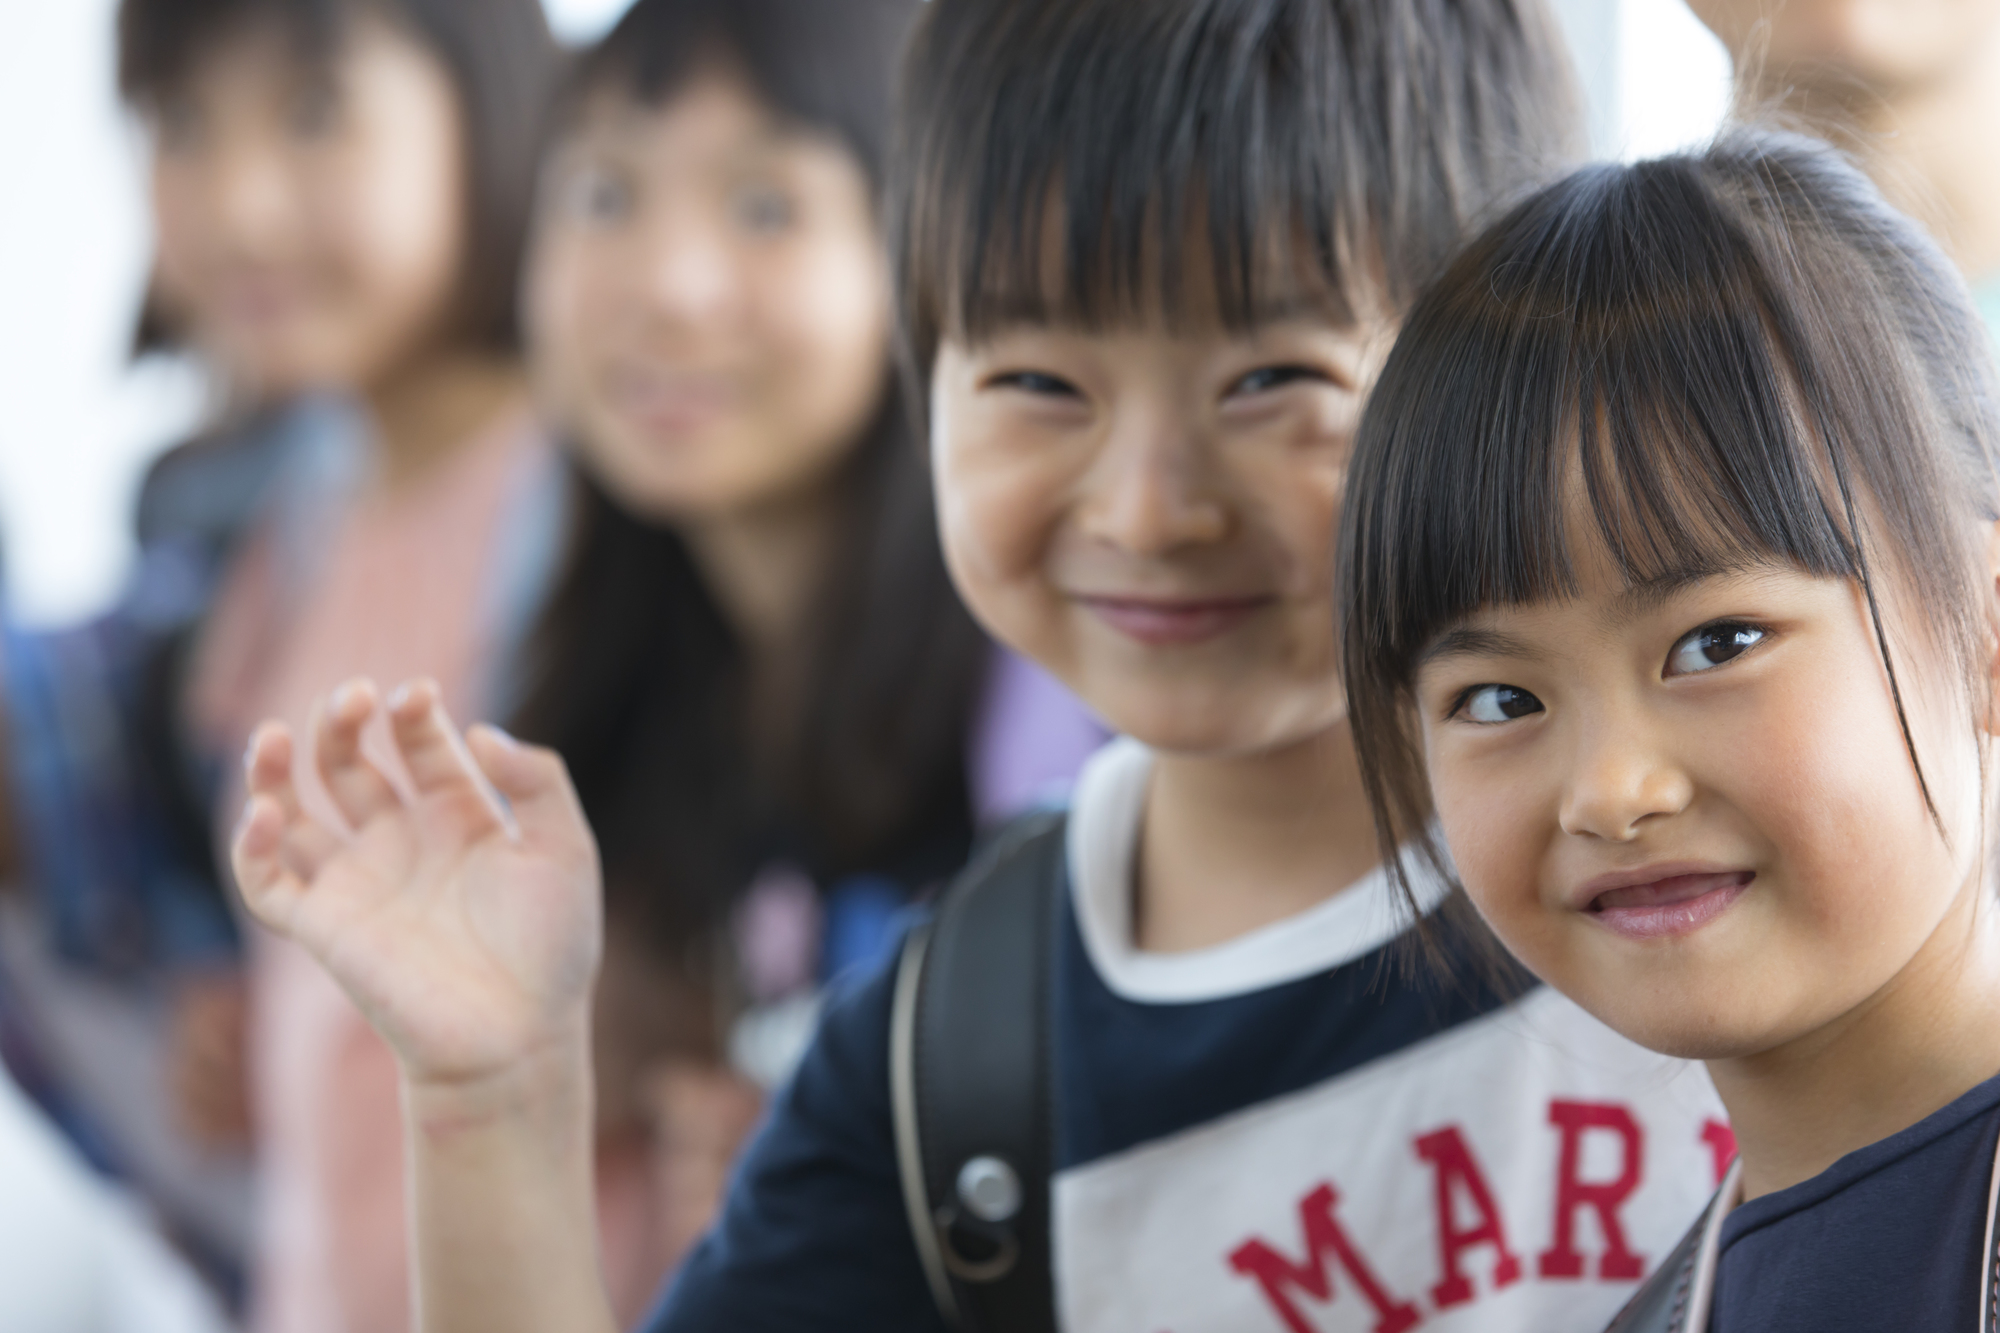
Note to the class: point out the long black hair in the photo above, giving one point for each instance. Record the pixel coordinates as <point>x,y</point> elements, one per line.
<point>635,675</point>
<point>1744,354</point>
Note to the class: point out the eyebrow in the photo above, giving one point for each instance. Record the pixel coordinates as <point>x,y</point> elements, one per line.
<point>1640,597</point>
<point>1466,641</point>
<point>1656,590</point>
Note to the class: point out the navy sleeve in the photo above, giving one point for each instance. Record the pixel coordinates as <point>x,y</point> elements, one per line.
<point>814,1234</point>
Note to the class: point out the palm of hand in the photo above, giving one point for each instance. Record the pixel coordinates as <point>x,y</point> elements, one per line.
<point>463,956</point>
<point>468,940</point>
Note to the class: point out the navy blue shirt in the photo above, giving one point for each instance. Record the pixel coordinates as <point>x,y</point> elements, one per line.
<point>1218,1117</point>
<point>1888,1237</point>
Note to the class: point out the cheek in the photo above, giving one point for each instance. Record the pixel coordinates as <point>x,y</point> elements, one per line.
<point>177,227</point>
<point>1822,773</point>
<point>1495,824</point>
<point>407,221</point>
<point>1300,496</point>
<point>560,335</point>
<point>998,505</point>
<point>822,316</point>
<point>390,230</point>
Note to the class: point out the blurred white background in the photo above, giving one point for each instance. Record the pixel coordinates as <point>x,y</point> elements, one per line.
<point>79,420</point>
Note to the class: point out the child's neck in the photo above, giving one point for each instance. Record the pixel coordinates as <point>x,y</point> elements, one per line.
<point>1923,1040</point>
<point>1232,844</point>
<point>440,402</point>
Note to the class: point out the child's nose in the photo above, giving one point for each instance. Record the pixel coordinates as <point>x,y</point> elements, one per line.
<point>1622,778</point>
<point>690,272</point>
<point>252,195</point>
<point>1152,494</point>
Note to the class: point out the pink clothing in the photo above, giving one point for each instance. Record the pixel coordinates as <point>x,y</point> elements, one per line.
<point>363,582</point>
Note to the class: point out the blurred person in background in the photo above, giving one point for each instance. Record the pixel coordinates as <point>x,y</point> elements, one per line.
<point>1911,88</point>
<point>341,191</point>
<point>75,1257</point>
<point>782,723</point>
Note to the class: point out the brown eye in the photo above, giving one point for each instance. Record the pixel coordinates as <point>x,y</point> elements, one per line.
<point>1037,383</point>
<point>1266,378</point>
<point>762,211</point>
<point>315,112</point>
<point>1489,704</point>
<point>1711,646</point>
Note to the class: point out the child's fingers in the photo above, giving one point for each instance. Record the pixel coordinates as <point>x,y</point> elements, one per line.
<point>357,787</point>
<point>267,767</point>
<point>535,783</point>
<point>454,794</point>
<point>303,842</point>
<point>269,887</point>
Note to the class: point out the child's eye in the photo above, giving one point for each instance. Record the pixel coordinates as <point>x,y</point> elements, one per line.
<point>1496,703</point>
<point>315,112</point>
<point>1035,382</point>
<point>179,125</point>
<point>763,211</point>
<point>598,195</point>
<point>1266,378</point>
<point>1712,645</point>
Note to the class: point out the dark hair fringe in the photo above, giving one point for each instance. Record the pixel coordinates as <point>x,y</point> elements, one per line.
<point>1059,161</point>
<point>1745,355</point>
<point>503,63</point>
<point>825,65</point>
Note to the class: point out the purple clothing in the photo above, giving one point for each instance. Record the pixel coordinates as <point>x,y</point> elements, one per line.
<point>1028,742</point>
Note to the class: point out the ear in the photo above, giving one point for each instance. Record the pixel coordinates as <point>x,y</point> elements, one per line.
<point>1991,573</point>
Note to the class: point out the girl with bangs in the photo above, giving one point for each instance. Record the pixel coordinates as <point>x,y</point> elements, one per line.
<point>782,724</point>
<point>1149,258</point>
<point>341,190</point>
<point>1670,573</point>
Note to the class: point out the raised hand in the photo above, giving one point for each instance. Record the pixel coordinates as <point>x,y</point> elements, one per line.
<point>464,916</point>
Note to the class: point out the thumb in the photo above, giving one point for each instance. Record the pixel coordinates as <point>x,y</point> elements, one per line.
<point>536,785</point>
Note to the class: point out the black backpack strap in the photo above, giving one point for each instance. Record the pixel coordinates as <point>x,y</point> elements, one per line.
<point>1989,1254</point>
<point>1679,1296</point>
<point>971,1082</point>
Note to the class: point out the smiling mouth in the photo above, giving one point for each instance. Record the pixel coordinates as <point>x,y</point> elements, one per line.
<point>1159,623</point>
<point>673,406</point>
<point>1671,906</point>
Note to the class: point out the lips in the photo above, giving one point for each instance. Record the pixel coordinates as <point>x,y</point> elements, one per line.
<point>1666,902</point>
<point>673,405</point>
<point>1160,622</point>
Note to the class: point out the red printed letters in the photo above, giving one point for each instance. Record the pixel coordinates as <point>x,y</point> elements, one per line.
<point>1458,1175</point>
<point>1574,1194</point>
<point>1327,1244</point>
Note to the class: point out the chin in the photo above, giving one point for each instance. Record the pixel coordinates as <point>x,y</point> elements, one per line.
<point>1688,1028</point>
<point>1198,725</point>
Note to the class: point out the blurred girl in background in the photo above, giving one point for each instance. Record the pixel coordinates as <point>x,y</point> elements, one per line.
<point>781,721</point>
<point>341,191</point>
<point>1911,90</point>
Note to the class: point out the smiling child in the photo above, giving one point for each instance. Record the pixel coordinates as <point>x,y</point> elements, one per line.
<point>1677,612</point>
<point>1150,258</point>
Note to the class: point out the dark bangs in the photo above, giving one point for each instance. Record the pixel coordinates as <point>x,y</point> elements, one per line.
<point>502,62</point>
<point>1077,162</point>
<point>162,42</point>
<point>826,65</point>
<point>1725,359</point>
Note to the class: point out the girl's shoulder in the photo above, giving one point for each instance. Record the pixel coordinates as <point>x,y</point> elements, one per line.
<point>213,487</point>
